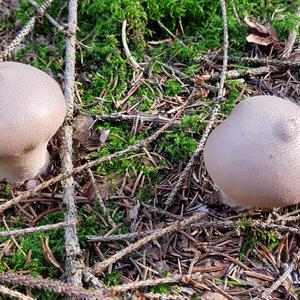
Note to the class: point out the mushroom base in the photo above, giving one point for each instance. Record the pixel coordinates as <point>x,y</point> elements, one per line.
<point>27,166</point>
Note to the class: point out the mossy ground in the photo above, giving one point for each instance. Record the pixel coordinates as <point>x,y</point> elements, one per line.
<point>104,78</point>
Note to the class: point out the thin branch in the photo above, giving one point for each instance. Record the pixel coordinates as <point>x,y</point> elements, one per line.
<point>178,278</point>
<point>20,232</point>
<point>90,164</point>
<point>119,117</point>
<point>50,19</point>
<point>55,286</point>
<point>28,27</point>
<point>99,199</point>
<point>292,37</point>
<point>252,61</point>
<point>267,293</point>
<point>126,48</point>
<point>214,113</point>
<point>74,263</point>
<point>13,294</point>
<point>171,34</point>
<point>100,267</point>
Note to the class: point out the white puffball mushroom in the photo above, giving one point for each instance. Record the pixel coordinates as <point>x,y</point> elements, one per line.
<point>32,108</point>
<point>253,156</point>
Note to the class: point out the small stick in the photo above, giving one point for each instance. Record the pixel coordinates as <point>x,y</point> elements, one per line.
<point>253,61</point>
<point>171,34</point>
<point>267,293</point>
<point>214,113</point>
<point>11,293</point>
<point>119,117</point>
<point>178,278</point>
<point>73,266</point>
<point>50,19</point>
<point>292,37</point>
<point>55,286</point>
<point>99,199</point>
<point>100,267</point>
<point>28,27</point>
<point>20,232</point>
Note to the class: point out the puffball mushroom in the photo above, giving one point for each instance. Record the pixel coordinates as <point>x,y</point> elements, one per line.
<point>254,155</point>
<point>32,108</point>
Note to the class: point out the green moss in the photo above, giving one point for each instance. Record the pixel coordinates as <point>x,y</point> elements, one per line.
<point>193,122</point>
<point>256,237</point>
<point>177,146</point>
<point>113,278</point>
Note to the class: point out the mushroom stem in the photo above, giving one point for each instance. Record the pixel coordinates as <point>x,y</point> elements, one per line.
<point>28,165</point>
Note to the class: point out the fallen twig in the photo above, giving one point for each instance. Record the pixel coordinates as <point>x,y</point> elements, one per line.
<point>99,199</point>
<point>100,267</point>
<point>20,232</point>
<point>214,113</point>
<point>74,264</point>
<point>50,19</point>
<point>292,37</point>
<point>55,286</point>
<point>252,61</point>
<point>178,278</point>
<point>28,27</point>
<point>13,294</point>
<point>119,117</point>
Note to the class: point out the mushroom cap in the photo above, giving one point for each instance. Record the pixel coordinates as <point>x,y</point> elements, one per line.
<point>253,156</point>
<point>32,108</point>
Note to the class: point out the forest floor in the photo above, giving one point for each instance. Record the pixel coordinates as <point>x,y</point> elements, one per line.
<point>152,78</point>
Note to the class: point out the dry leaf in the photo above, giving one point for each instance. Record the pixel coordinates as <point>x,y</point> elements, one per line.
<point>261,34</point>
<point>82,127</point>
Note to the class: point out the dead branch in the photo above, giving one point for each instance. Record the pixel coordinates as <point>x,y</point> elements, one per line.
<point>55,286</point>
<point>28,27</point>
<point>171,34</point>
<point>13,294</point>
<point>100,267</point>
<point>292,37</point>
<point>119,117</point>
<point>20,232</point>
<point>214,113</point>
<point>178,278</point>
<point>50,19</point>
<point>99,199</point>
<point>252,61</point>
<point>74,264</point>
<point>235,74</point>
<point>267,293</point>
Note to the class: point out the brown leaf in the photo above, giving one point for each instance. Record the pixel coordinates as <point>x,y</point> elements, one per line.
<point>260,28</point>
<point>261,34</point>
<point>103,189</point>
<point>82,126</point>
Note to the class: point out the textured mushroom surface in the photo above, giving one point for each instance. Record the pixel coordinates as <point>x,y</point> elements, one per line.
<point>32,108</point>
<point>253,156</point>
